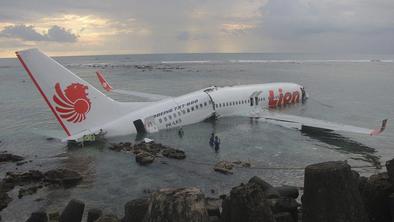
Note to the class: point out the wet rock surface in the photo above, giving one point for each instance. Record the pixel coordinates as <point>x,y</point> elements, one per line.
<point>226,167</point>
<point>65,177</point>
<point>73,211</point>
<point>247,202</point>
<point>4,200</point>
<point>7,157</point>
<point>94,214</point>
<point>33,180</point>
<point>135,210</point>
<point>177,205</point>
<point>331,194</point>
<point>146,153</point>
<point>376,193</point>
<point>39,216</point>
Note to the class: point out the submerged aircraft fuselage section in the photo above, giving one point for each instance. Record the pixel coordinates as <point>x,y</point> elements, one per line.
<point>81,109</point>
<point>200,105</point>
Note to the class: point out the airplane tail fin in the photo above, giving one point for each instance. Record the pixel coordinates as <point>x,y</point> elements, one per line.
<point>76,104</point>
<point>103,81</point>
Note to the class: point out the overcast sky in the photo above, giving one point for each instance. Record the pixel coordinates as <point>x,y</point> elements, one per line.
<point>75,27</point>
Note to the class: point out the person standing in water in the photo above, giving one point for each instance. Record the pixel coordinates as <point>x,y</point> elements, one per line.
<point>217,144</point>
<point>180,132</point>
<point>212,139</point>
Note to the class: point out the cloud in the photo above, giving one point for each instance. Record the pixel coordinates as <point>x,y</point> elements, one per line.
<point>29,33</point>
<point>59,34</point>
<point>23,32</point>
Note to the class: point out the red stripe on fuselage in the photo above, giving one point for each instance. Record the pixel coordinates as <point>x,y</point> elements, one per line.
<point>42,93</point>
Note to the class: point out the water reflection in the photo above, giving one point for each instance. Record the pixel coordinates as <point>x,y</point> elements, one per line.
<point>343,144</point>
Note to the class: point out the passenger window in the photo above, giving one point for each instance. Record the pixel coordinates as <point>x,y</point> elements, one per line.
<point>196,106</point>
<point>217,106</point>
<point>192,108</point>
<point>205,103</point>
<point>188,110</point>
<point>251,101</point>
<point>201,105</point>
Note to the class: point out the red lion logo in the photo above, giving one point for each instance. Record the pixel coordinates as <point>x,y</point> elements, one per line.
<point>72,104</point>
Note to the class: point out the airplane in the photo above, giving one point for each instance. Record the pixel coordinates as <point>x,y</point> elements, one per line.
<point>82,110</point>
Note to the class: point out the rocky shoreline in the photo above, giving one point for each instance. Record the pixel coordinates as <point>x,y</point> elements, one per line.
<point>332,192</point>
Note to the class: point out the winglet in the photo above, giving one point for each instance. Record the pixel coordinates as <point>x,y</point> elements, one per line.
<point>378,131</point>
<point>103,81</point>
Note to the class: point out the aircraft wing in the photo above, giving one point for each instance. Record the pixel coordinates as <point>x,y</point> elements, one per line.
<point>298,122</point>
<point>107,87</point>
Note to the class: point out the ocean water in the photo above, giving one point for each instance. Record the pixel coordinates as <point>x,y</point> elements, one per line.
<point>351,89</point>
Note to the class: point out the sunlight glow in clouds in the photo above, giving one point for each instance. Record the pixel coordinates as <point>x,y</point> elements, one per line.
<point>96,27</point>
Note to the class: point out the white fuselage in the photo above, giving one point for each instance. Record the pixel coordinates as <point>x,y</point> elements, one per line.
<point>203,104</point>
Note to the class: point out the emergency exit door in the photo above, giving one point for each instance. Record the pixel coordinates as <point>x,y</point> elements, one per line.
<point>139,125</point>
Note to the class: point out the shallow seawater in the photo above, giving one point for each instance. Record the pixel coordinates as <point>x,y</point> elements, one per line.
<point>347,89</point>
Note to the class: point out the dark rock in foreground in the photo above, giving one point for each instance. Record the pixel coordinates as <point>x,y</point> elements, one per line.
<point>63,177</point>
<point>288,191</point>
<point>135,210</point>
<point>94,214</point>
<point>331,194</point>
<point>247,203</point>
<point>177,205</point>
<point>73,211</point>
<point>4,200</point>
<point>7,157</point>
<point>39,216</point>
<point>375,193</point>
<point>390,170</point>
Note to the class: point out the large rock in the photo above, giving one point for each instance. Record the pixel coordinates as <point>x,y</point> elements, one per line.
<point>246,203</point>
<point>288,191</point>
<point>390,170</point>
<point>63,177</point>
<point>269,191</point>
<point>4,200</point>
<point>7,157</point>
<point>13,179</point>
<point>174,153</point>
<point>135,210</point>
<point>39,216</point>
<point>94,214</point>
<point>73,211</point>
<point>375,193</point>
<point>285,204</point>
<point>331,194</point>
<point>224,167</point>
<point>177,205</point>
<point>144,158</point>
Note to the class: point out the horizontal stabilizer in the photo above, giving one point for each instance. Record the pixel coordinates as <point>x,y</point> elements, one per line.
<point>107,87</point>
